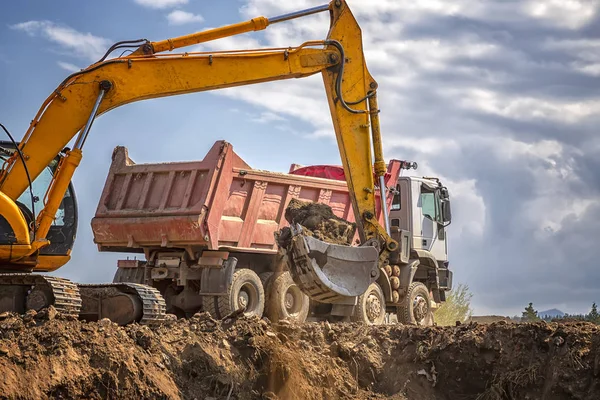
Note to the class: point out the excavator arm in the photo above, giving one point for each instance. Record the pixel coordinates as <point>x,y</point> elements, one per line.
<point>147,73</point>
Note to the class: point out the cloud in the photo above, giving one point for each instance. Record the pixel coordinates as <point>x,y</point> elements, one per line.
<point>84,45</point>
<point>499,100</point>
<point>570,14</point>
<point>68,66</point>
<point>160,4</point>
<point>268,117</point>
<point>179,17</point>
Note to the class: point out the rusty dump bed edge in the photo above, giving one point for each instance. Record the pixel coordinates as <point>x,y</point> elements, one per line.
<point>219,202</point>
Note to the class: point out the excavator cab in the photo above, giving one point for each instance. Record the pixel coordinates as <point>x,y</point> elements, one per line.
<point>62,231</point>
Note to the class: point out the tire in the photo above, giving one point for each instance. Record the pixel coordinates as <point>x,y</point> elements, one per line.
<point>370,309</point>
<point>265,279</point>
<point>246,287</point>
<point>416,307</point>
<point>285,300</point>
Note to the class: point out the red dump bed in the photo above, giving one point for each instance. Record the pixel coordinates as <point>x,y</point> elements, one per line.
<point>217,203</point>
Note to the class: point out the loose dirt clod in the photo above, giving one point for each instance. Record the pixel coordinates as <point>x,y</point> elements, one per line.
<point>249,358</point>
<point>320,222</point>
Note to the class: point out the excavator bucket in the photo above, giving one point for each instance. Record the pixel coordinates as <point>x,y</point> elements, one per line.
<point>330,273</point>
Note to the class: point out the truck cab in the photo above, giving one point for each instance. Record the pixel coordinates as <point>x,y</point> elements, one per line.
<point>422,206</point>
<point>420,214</point>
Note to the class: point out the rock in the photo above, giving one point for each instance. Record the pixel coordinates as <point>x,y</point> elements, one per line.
<point>3,350</point>
<point>334,349</point>
<point>29,315</point>
<point>47,314</point>
<point>170,319</point>
<point>105,322</point>
<point>203,316</point>
<point>271,334</point>
<point>4,315</point>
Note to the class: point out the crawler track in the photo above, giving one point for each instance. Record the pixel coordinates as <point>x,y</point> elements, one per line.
<point>65,293</point>
<point>153,304</point>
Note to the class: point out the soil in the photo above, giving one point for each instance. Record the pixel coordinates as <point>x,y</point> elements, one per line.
<point>320,222</point>
<point>46,356</point>
<point>488,319</point>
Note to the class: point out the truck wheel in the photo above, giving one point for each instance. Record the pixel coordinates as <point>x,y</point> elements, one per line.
<point>371,306</point>
<point>246,290</point>
<point>265,279</point>
<point>416,307</point>
<point>285,300</point>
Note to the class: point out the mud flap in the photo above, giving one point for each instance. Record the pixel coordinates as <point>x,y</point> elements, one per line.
<point>331,273</point>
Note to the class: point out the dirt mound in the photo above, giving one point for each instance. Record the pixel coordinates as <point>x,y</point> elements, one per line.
<point>488,319</point>
<point>320,221</point>
<point>44,356</point>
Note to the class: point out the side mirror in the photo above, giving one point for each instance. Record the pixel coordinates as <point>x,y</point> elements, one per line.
<point>446,212</point>
<point>444,194</point>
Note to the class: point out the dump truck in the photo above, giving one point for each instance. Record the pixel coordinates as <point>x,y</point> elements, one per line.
<point>202,233</point>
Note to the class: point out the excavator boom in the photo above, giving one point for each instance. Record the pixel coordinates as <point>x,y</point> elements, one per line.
<point>147,73</point>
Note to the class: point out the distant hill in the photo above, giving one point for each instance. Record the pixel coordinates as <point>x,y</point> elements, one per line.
<point>553,313</point>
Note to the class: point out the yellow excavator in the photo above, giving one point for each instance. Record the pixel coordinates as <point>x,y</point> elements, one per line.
<point>38,211</point>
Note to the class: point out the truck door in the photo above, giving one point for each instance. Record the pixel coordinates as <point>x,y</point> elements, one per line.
<point>433,234</point>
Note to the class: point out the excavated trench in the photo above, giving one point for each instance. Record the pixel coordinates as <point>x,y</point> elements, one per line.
<point>47,356</point>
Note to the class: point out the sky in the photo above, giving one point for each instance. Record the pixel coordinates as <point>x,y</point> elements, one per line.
<point>499,99</point>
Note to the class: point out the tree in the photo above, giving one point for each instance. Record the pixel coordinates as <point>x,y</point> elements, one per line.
<point>530,314</point>
<point>456,308</point>
<point>593,316</point>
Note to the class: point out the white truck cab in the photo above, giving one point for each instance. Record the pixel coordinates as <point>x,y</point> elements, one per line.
<point>422,206</point>
<point>419,217</point>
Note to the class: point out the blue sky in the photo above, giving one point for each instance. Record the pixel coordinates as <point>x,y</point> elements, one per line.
<point>498,98</point>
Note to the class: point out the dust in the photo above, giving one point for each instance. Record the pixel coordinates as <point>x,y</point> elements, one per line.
<point>46,356</point>
<point>320,222</point>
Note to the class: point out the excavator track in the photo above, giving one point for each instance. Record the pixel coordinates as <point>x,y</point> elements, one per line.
<point>31,291</point>
<point>152,307</point>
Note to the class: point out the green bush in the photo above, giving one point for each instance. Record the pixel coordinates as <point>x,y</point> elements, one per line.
<point>456,308</point>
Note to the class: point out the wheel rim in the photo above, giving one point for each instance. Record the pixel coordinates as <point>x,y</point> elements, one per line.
<point>420,308</point>
<point>292,300</point>
<point>373,307</point>
<point>248,298</point>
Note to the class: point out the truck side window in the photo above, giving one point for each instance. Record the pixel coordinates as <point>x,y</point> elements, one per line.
<point>428,207</point>
<point>396,202</point>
